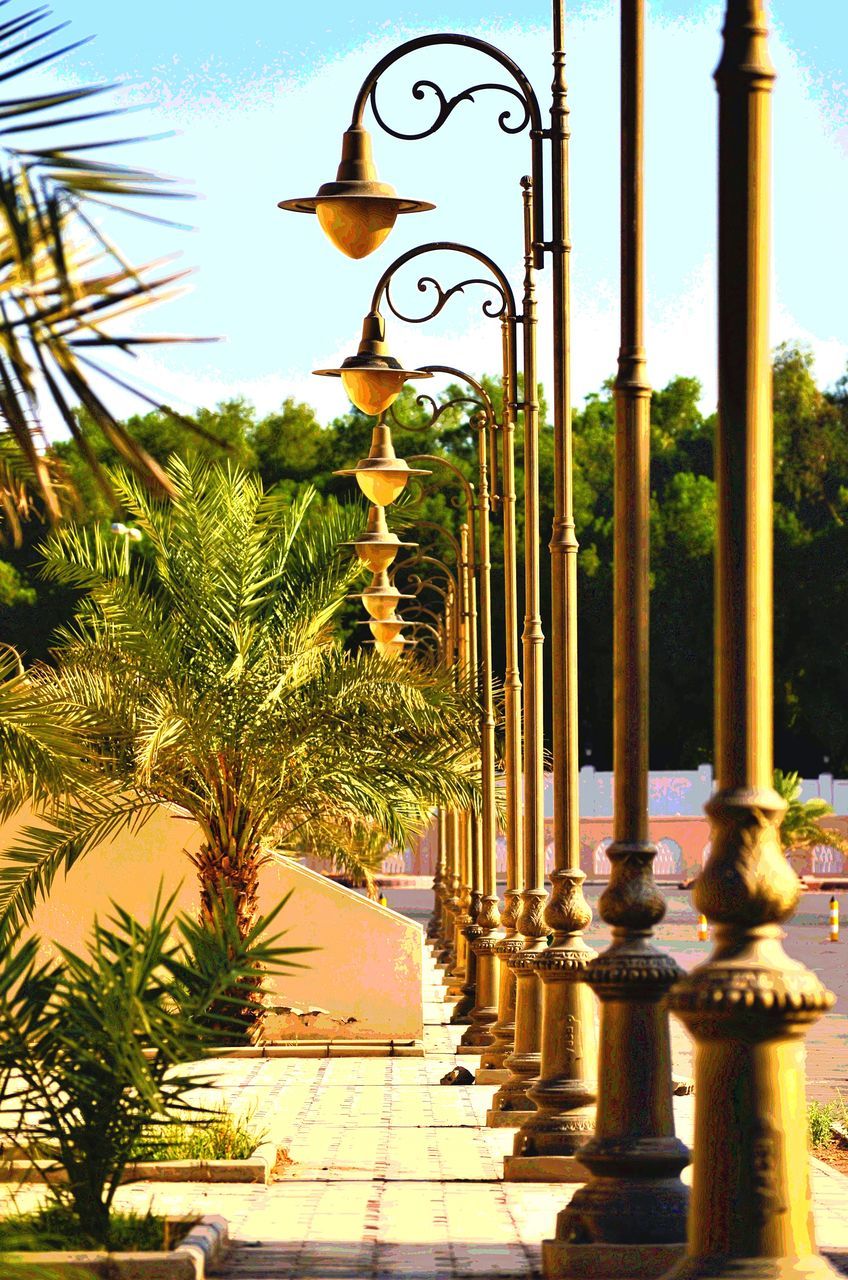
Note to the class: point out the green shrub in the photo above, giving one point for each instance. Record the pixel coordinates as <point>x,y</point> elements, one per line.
<point>820,1116</point>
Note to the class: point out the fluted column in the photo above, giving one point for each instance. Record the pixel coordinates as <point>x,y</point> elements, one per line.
<point>749,1005</point>
<point>634,1196</point>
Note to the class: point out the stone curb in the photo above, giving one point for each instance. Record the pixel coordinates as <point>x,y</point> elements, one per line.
<point>824,1167</point>
<point>324,1049</point>
<point>256,1169</point>
<point>192,1259</point>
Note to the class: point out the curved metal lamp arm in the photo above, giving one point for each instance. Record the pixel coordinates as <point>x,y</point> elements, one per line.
<point>436,409</point>
<point>446,533</point>
<point>521,90</point>
<point>500,283</point>
<point>483,419</point>
<point>421,609</point>
<point>406,565</point>
<point>437,459</point>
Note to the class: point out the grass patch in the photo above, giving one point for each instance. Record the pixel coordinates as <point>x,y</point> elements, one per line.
<point>55,1227</point>
<point>224,1136</point>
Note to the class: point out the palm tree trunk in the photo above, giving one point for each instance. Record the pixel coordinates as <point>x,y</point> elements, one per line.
<point>229,880</point>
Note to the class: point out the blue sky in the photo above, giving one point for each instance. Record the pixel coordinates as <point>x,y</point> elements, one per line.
<point>260,94</point>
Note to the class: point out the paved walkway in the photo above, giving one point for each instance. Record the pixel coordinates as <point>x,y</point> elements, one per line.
<point>393,1174</point>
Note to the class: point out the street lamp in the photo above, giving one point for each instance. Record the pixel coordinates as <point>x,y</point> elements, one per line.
<point>373,378</point>
<point>498,1044</point>
<point>568,907</point>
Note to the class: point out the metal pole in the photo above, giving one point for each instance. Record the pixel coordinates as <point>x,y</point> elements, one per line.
<point>472,929</point>
<point>492,1069</point>
<point>749,1006</point>
<point>485,1010</point>
<point>545,1145</point>
<point>523,1063</point>
<point>634,1197</point>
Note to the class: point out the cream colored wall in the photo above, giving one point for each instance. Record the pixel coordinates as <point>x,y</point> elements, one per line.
<point>367,967</point>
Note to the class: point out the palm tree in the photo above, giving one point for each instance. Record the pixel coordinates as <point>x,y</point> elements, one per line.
<point>63,283</point>
<point>203,671</point>
<point>800,828</point>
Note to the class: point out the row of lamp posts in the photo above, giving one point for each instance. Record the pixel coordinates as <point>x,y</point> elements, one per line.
<point>564,1086</point>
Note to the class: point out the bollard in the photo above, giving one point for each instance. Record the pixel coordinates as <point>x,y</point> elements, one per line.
<point>703,929</point>
<point>834,919</point>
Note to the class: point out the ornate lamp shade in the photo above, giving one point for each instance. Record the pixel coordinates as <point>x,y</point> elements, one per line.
<point>392,649</point>
<point>372,378</point>
<point>386,629</point>
<point>381,598</point>
<point>382,476</point>
<point>376,546</point>
<point>356,211</point>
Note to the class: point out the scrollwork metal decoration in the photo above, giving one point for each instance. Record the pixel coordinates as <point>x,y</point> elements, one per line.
<point>436,410</point>
<point>446,107</point>
<point>492,308</point>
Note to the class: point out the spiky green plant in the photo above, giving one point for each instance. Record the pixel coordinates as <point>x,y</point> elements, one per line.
<point>801,827</point>
<point>96,1047</point>
<point>208,662</point>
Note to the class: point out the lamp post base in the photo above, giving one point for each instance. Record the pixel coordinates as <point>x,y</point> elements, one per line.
<point>564,1261</point>
<point>491,1075</point>
<point>544,1169</point>
<point>506,1119</point>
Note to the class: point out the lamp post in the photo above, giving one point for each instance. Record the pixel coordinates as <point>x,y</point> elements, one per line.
<point>749,1005</point>
<point>466,569</point>
<point>482,935</point>
<point>503,309</point>
<point>570,912</point>
<point>631,1213</point>
<point>459,962</point>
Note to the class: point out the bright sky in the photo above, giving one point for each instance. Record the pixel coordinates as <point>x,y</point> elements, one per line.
<point>261,92</point>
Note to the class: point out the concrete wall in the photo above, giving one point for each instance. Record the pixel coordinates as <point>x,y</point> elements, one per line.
<point>365,975</point>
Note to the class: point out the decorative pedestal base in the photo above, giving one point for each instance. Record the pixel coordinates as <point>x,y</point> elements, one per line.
<point>506,1119</point>
<point>561,1260</point>
<point>491,1075</point>
<point>544,1169</point>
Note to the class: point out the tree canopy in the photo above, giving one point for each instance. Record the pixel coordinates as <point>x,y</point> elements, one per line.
<point>291,445</point>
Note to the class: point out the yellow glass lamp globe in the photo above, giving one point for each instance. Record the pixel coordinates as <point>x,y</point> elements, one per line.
<point>387,629</point>
<point>381,598</point>
<point>373,390</point>
<point>391,649</point>
<point>357,225</point>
